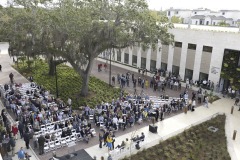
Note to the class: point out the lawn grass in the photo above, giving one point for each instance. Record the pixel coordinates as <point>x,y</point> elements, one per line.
<point>69,84</point>
<point>196,143</point>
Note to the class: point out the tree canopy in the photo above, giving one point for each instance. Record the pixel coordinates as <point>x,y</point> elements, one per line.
<point>79,30</point>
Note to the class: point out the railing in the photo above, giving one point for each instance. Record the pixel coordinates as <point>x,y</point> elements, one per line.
<point>117,154</point>
<point>208,28</point>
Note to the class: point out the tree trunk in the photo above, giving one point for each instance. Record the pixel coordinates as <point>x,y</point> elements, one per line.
<point>51,65</point>
<point>85,81</point>
<point>86,77</point>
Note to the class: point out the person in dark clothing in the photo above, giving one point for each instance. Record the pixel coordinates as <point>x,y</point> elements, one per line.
<point>113,80</point>
<point>41,141</point>
<point>161,114</point>
<point>157,115</point>
<point>27,139</point>
<point>20,128</point>
<point>11,77</point>
<point>0,68</point>
<point>12,143</point>
<point>100,140</point>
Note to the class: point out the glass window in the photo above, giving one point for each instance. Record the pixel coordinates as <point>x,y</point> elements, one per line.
<point>119,56</point>
<point>207,49</point>
<point>164,66</point>
<point>192,46</point>
<point>169,13</point>
<point>143,62</point>
<point>153,65</point>
<point>134,60</point>
<point>126,58</point>
<point>178,44</point>
<point>203,76</point>
<point>188,74</point>
<point>175,70</point>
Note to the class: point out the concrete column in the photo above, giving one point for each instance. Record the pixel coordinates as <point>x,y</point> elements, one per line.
<point>197,62</point>
<point>122,55</point>
<point>159,55</point>
<point>148,58</point>
<point>183,60</point>
<point>170,58</point>
<point>216,64</point>
<point>139,55</point>
<point>130,51</point>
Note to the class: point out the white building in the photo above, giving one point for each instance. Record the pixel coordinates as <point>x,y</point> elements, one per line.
<point>205,16</point>
<point>197,53</point>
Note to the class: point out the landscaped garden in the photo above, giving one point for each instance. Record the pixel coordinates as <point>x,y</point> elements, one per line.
<point>196,143</point>
<point>69,84</point>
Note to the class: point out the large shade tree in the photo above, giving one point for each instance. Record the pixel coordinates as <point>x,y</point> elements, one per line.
<point>79,30</point>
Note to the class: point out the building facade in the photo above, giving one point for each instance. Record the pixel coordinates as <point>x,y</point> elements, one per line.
<point>205,16</point>
<point>197,52</point>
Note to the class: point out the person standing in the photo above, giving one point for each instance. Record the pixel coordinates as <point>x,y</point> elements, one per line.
<point>20,128</point>
<point>27,139</point>
<point>41,141</point>
<point>157,114</point>
<point>11,77</point>
<point>15,131</point>
<point>146,84</point>
<point>21,154</point>
<point>206,101</point>
<point>0,68</point>
<point>109,142</point>
<point>193,104</point>
<point>100,140</point>
<point>12,143</point>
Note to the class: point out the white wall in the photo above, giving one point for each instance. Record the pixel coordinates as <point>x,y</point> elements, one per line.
<point>209,20</point>
<point>4,47</point>
<point>218,40</point>
<point>193,21</point>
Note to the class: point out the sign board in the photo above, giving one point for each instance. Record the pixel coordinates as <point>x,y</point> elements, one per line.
<point>215,70</point>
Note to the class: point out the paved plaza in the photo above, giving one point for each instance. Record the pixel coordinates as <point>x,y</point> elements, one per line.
<point>170,126</point>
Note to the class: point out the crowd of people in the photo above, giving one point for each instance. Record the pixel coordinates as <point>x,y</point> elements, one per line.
<point>34,107</point>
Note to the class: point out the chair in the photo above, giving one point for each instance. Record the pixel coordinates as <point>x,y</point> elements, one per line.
<point>68,140</point>
<point>48,126</point>
<point>63,142</point>
<point>43,128</point>
<point>52,125</point>
<point>93,132</point>
<point>73,138</point>
<point>46,147</point>
<point>57,144</point>
<point>91,118</point>
<point>79,137</point>
<point>51,145</point>
<point>73,131</point>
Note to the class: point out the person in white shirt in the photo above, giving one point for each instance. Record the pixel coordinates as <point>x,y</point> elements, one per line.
<point>115,120</point>
<point>69,102</point>
<point>193,104</point>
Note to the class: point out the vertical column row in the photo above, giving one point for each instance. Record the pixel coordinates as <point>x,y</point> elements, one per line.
<point>183,60</point>
<point>159,55</point>
<point>197,62</point>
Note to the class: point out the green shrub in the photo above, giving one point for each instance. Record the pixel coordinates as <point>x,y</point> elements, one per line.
<point>69,84</point>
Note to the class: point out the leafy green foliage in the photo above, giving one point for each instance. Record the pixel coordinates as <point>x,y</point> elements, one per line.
<point>176,19</point>
<point>69,84</point>
<point>78,31</point>
<point>195,143</point>
<point>230,69</point>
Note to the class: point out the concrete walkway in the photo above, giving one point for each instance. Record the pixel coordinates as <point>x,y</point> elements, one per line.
<point>6,62</point>
<point>166,128</point>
